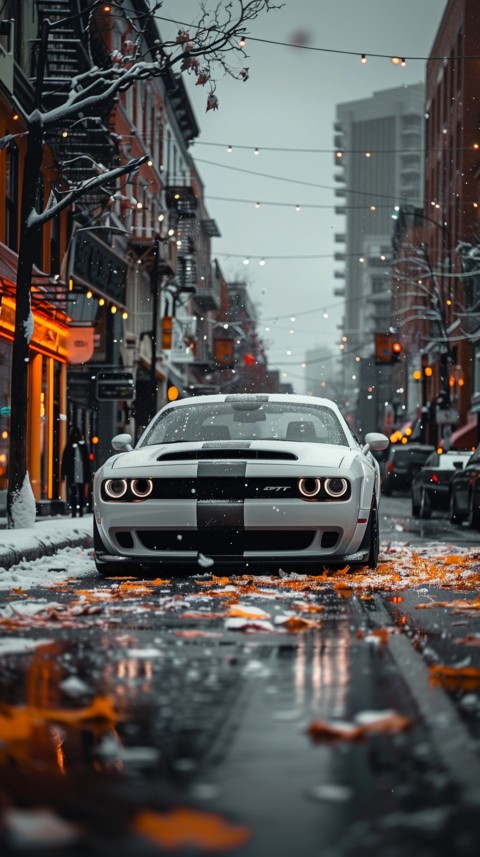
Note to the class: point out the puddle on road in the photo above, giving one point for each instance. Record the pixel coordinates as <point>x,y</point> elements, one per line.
<point>120,716</point>
<point>92,716</point>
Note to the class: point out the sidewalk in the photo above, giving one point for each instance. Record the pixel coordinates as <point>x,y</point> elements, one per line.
<point>44,539</point>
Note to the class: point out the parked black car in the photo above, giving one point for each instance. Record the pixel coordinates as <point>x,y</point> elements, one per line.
<point>402,463</point>
<point>430,486</point>
<point>464,494</point>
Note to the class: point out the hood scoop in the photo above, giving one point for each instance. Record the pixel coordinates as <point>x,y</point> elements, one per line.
<point>213,450</point>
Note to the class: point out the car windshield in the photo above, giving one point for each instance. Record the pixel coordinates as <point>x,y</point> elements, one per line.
<point>246,421</point>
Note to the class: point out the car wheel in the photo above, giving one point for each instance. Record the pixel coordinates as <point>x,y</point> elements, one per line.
<point>387,489</point>
<point>473,513</point>
<point>455,518</point>
<point>415,508</point>
<point>425,507</point>
<point>371,539</point>
<point>374,528</point>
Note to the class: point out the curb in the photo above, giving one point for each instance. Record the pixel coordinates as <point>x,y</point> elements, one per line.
<point>12,556</point>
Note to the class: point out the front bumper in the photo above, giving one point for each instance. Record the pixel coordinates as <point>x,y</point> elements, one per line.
<point>230,532</point>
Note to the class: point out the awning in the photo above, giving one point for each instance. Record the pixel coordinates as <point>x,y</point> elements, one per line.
<point>465,437</point>
<point>8,267</point>
<point>48,295</point>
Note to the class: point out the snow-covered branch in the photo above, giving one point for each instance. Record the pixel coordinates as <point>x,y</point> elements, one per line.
<point>85,187</point>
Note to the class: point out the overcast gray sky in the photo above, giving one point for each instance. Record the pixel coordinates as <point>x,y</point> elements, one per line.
<point>289,101</point>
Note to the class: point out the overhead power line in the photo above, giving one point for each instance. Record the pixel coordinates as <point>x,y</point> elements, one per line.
<point>293,181</point>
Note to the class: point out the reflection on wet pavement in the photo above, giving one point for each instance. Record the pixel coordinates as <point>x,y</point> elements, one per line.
<point>174,717</point>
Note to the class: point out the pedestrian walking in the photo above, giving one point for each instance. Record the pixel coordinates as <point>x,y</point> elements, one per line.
<point>76,469</point>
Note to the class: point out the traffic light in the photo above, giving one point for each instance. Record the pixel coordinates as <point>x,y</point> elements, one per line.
<point>396,351</point>
<point>387,349</point>
<point>167,332</point>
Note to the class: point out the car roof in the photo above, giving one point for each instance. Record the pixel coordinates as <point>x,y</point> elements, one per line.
<point>447,459</point>
<point>412,447</point>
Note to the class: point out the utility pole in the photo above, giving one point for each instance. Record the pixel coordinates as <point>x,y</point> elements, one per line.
<point>18,481</point>
<point>155,287</point>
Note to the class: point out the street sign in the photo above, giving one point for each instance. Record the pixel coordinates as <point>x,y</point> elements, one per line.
<point>446,416</point>
<point>115,386</point>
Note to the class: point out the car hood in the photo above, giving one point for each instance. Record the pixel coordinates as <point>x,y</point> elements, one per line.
<point>321,454</point>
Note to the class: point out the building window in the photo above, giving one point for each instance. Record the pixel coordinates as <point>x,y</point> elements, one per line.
<point>11,196</point>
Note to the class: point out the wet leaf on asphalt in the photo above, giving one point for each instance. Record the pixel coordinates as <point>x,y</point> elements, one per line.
<point>18,722</point>
<point>296,624</point>
<point>236,623</point>
<point>189,828</point>
<point>469,640</point>
<point>245,611</point>
<point>455,678</point>
<point>368,723</point>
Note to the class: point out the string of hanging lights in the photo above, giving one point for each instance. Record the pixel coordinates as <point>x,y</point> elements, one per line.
<point>257,150</point>
<point>399,60</point>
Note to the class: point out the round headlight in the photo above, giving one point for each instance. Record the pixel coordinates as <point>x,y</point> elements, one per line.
<point>141,487</point>
<point>115,488</point>
<point>309,487</point>
<point>336,487</point>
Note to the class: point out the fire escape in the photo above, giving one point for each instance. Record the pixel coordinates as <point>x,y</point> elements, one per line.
<point>84,144</point>
<point>182,205</point>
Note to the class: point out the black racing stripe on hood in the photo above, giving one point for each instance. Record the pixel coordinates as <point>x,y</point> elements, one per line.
<point>221,469</point>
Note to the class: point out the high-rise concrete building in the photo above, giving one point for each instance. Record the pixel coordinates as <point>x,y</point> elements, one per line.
<point>379,155</point>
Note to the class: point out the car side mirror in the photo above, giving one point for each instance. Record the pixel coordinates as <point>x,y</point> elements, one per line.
<point>375,441</point>
<point>122,442</point>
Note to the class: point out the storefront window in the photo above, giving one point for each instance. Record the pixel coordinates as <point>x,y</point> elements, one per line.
<point>5,367</point>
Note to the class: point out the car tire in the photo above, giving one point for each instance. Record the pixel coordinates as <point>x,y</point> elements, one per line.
<point>473,513</point>
<point>371,539</point>
<point>425,506</point>
<point>455,518</point>
<point>374,528</point>
<point>387,489</point>
<point>415,509</point>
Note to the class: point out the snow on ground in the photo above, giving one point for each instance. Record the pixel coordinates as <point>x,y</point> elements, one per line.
<point>74,562</point>
<point>69,562</point>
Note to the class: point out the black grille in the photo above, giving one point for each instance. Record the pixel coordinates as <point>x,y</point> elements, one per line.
<point>231,488</point>
<point>225,542</point>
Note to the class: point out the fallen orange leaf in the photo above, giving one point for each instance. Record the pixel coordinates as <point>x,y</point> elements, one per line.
<point>17,723</point>
<point>320,730</point>
<point>214,581</point>
<point>381,633</point>
<point>455,678</point>
<point>305,607</point>
<point>190,828</point>
<point>246,612</point>
<point>469,640</point>
<point>389,724</point>
<point>296,624</point>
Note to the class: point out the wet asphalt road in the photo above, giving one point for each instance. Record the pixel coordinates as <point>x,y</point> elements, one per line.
<point>146,726</point>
